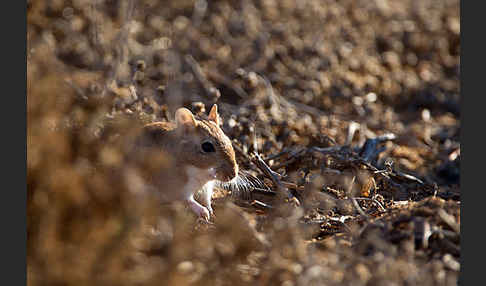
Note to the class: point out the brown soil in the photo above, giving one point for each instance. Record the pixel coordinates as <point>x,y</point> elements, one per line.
<point>308,85</point>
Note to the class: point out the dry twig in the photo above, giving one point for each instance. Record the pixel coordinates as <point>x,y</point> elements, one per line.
<point>274,176</point>
<point>370,150</point>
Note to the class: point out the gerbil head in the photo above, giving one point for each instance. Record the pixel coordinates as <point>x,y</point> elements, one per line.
<point>205,145</point>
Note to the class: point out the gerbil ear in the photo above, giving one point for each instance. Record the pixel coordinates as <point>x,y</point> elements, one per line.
<point>214,115</point>
<point>184,117</point>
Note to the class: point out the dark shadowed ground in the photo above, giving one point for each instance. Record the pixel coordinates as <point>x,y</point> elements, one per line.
<point>355,104</point>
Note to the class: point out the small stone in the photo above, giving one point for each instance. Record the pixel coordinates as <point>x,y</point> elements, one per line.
<point>371,97</point>
<point>141,65</point>
<point>198,107</point>
<point>214,92</point>
<point>426,115</point>
<point>252,79</point>
<point>185,267</point>
<point>139,76</point>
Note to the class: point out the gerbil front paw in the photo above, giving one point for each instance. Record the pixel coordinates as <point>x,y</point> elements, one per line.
<point>203,213</point>
<point>199,210</point>
<point>210,209</point>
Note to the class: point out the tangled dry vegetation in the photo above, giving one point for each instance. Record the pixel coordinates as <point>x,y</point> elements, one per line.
<point>344,113</point>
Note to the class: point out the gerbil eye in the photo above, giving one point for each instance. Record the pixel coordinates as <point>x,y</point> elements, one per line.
<point>208,147</point>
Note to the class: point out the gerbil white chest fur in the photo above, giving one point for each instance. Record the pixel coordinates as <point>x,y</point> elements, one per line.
<point>200,154</point>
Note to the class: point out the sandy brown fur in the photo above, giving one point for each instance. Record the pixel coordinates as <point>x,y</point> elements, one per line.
<point>182,144</point>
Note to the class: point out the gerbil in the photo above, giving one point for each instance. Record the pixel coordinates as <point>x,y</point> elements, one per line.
<point>200,154</point>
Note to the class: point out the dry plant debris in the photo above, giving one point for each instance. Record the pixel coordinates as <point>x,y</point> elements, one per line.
<point>344,116</point>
